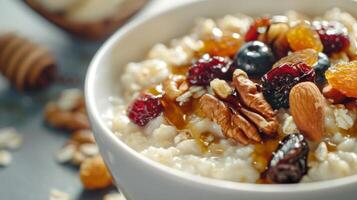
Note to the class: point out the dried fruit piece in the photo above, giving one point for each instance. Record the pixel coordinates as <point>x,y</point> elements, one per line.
<point>333,95</point>
<point>289,161</point>
<point>333,35</point>
<point>278,82</point>
<point>276,38</point>
<point>208,68</point>
<point>320,67</point>
<point>259,26</point>
<point>303,36</point>
<point>307,106</point>
<point>94,173</point>
<point>255,58</point>
<point>307,56</point>
<point>144,108</point>
<point>343,77</point>
<point>225,46</point>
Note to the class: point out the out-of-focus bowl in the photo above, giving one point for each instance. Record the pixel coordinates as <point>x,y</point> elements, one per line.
<point>142,179</point>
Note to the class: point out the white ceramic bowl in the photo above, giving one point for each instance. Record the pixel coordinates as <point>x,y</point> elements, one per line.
<point>142,179</point>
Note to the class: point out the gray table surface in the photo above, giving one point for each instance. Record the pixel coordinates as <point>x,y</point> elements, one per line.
<point>34,170</point>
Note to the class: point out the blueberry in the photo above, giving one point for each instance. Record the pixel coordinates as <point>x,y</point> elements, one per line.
<point>255,58</point>
<point>320,67</point>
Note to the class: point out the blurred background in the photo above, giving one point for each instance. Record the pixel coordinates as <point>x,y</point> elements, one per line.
<point>45,49</point>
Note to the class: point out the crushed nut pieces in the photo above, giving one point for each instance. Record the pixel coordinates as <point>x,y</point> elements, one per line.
<point>68,112</point>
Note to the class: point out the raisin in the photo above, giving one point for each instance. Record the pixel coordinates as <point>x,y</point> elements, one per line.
<point>225,46</point>
<point>278,82</point>
<point>343,77</point>
<point>307,56</point>
<point>303,36</point>
<point>289,161</point>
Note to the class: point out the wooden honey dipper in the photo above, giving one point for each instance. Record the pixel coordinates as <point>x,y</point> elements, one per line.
<point>26,65</point>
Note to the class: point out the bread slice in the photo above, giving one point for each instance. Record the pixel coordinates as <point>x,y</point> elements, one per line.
<point>88,19</point>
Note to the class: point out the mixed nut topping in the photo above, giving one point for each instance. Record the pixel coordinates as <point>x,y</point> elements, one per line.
<point>240,80</point>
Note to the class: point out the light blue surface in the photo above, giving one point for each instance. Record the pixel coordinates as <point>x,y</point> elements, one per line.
<point>34,170</point>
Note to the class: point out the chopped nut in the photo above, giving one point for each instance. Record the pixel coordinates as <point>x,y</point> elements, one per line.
<point>254,100</point>
<point>94,173</point>
<point>276,36</point>
<point>221,88</point>
<point>83,136</point>
<point>65,119</point>
<point>68,112</point>
<point>5,158</point>
<point>175,86</point>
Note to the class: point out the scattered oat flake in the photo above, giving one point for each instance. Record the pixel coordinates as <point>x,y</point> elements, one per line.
<point>66,153</point>
<point>114,196</point>
<point>89,149</point>
<point>69,98</point>
<point>5,158</point>
<point>58,195</point>
<point>10,138</point>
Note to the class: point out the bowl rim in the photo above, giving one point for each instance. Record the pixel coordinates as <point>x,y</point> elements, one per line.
<point>96,118</point>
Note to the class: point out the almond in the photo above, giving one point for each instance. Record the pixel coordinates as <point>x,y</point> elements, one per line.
<point>307,106</point>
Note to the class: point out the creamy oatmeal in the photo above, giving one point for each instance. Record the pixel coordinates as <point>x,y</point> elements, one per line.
<point>259,100</point>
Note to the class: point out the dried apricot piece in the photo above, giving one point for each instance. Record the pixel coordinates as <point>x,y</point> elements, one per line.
<point>343,77</point>
<point>303,36</point>
<point>307,56</point>
<point>94,173</point>
<point>226,45</point>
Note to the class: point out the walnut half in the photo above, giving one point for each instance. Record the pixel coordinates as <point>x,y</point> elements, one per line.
<point>240,117</point>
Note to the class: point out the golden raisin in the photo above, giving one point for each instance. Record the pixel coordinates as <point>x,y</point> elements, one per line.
<point>94,173</point>
<point>226,45</point>
<point>307,56</point>
<point>343,77</point>
<point>302,36</point>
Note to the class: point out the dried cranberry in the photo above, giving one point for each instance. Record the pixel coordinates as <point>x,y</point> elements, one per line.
<point>278,82</point>
<point>289,161</point>
<point>144,108</point>
<point>259,26</point>
<point>208,68</point>
<point>333,35</point>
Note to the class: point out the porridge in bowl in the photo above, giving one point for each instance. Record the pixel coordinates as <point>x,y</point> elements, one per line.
<point>261,100</point>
